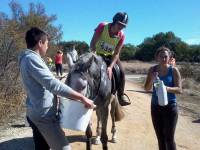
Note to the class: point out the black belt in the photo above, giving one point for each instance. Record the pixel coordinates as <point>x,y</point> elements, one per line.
<point>169,104</point>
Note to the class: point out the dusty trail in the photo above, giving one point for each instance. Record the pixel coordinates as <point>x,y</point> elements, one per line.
<point>134,132</point>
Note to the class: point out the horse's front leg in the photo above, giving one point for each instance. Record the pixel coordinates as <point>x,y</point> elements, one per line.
<point>112,113</point>
<point>89,136</point>
<point>97,140</point>
<point>104,121</point>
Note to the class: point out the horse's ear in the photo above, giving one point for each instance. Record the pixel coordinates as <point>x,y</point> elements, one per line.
<point>97,60</point>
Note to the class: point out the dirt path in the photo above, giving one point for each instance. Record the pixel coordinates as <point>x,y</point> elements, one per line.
<point>134,132</point>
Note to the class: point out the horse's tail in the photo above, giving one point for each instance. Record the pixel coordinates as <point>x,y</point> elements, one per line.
<point>119,114</point>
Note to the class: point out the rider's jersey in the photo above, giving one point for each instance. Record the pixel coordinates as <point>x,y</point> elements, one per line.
<point>106,45</point>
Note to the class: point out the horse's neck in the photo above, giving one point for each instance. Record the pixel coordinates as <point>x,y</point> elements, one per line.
<point>70,61</point>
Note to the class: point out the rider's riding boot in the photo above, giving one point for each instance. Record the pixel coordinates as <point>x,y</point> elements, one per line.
<point>123,100</point>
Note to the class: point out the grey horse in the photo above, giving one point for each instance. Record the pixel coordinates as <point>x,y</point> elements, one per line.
<point>89,76</point>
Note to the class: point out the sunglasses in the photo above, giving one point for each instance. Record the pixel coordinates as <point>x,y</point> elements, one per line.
<point>121,25</point>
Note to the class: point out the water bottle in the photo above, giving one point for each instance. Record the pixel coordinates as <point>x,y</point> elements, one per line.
<point>161,91</point>
<point>156,81</point>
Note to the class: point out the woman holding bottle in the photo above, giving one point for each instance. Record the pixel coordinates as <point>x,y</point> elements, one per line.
<point>165,117</point>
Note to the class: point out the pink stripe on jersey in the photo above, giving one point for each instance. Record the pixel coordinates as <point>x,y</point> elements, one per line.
<point>100,28</point>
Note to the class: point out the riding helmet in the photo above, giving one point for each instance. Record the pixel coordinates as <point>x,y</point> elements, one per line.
<point>120,17</point>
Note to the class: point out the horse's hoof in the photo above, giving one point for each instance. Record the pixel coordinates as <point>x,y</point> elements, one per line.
<point>105,147</point>
<point>114,140</point>
<point>96,141</point>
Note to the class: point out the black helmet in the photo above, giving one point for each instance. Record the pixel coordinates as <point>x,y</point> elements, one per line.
<point>120,17</point>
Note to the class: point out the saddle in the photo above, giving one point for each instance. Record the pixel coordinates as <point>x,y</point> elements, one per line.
<point>104,90</point>
<point>115,79</point>
<point>107,86</point>
<point>116,76</point>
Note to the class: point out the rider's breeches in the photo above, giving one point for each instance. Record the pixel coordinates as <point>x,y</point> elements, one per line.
<point>121,86</point>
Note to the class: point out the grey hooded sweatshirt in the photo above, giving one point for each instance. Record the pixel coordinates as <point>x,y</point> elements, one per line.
<point>40,86</point>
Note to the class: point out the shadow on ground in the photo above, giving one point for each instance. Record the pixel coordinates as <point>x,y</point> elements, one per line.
<point>196,121</point>
<point>27,143</point>
<point>76,138</point>
<point>18,126</point>
<point>18,144</point>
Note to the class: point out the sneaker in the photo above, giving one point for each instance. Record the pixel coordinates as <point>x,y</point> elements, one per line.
<point>124,100</point>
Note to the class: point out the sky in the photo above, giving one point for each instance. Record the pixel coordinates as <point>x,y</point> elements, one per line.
<point>79,18</point>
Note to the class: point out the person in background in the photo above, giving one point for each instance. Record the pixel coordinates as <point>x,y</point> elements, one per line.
<point>58,63</point>
<point>164,118</point>
<point>72,57</point>
<point>172,60</point>
<point>49,62</point>
<point>107,42</point>
<point>41,87</point>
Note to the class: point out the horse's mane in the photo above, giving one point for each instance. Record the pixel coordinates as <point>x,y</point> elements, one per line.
<point>88,64</point>
<point>93,68</point>
<point>83,62</point>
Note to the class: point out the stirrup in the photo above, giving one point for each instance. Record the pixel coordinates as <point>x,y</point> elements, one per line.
<point>124,102</point>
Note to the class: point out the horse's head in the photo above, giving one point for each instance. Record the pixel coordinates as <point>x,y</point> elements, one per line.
<point>77,81</point>
<point>89,77</point>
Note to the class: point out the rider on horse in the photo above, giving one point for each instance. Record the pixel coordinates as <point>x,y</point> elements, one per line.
<point>107,42</point>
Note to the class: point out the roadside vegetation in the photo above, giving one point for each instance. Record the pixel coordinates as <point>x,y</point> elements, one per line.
<point>12,32</point>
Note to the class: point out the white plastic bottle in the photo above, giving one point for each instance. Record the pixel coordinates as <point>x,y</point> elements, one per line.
<point>161,91</point>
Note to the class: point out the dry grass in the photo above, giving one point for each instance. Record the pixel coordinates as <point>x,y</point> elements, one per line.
<point>10,106</point>
<point>136,67</point>
<point>11,93</point>
<point>190,71</point>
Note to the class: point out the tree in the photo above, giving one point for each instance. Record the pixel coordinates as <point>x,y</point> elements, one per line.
<point>195,53</point>
<point>128,52</point>
<point>150,45</point>
<point>146,50</point>
<point>81,46</point>
<point>12,33</point>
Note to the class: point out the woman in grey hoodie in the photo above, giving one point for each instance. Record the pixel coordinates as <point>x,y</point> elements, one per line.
<point>41,87</point>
